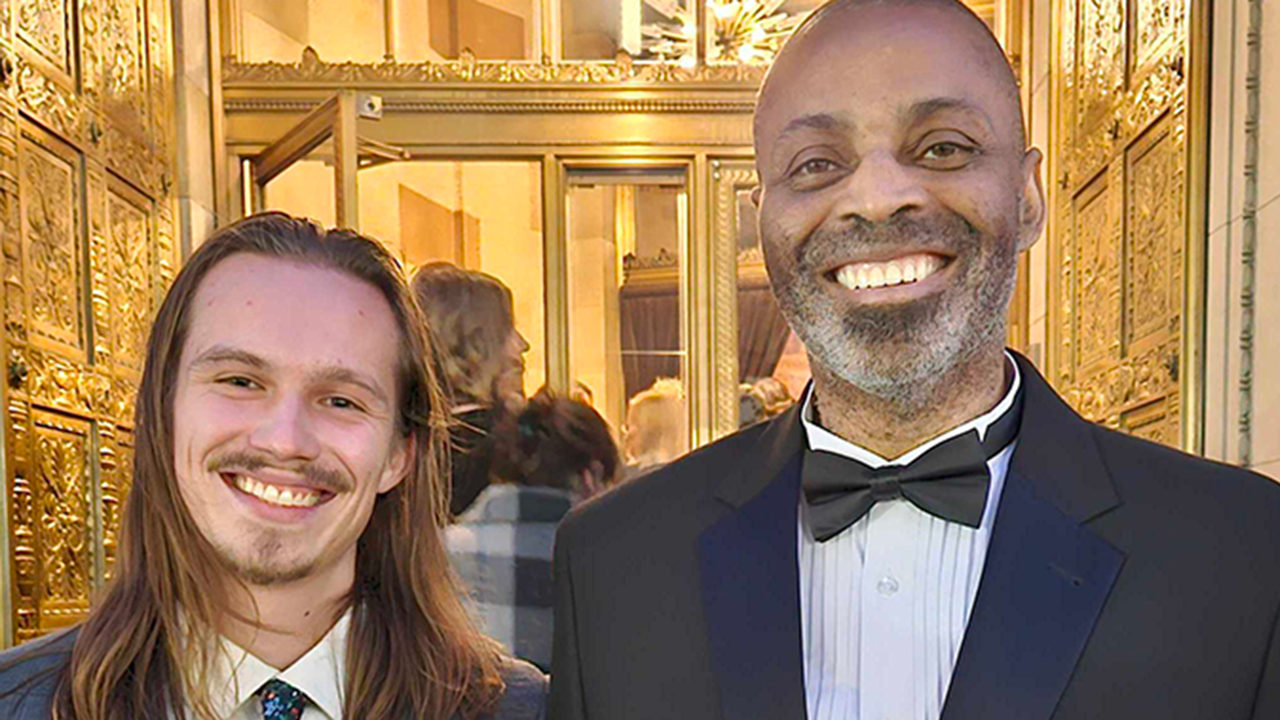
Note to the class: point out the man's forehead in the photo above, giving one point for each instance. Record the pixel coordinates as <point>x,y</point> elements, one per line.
<point>887,58</point>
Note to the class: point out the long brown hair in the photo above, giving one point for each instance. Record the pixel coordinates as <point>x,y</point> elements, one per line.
<point>470,316</point>
<point>146,649</point>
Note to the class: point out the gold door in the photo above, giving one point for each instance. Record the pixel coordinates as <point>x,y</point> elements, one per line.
<point>86,137</point>
<point>1124,232</point>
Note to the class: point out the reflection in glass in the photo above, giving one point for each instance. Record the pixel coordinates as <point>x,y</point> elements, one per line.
<point>626,234</point>
<point>415,31</point>
<point>338,30</point>
<point>479,215</point>
<point>306,188</point>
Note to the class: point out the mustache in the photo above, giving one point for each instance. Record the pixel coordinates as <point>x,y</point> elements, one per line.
<point>946,233</point>
<point>316,475</point>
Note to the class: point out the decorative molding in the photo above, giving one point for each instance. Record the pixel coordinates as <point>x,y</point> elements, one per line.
<point>1249,228</point>
<point>470,71</point>
<point>727,178</point>
<point>728,106</point>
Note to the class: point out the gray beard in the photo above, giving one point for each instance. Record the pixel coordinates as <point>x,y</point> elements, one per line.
<point>901,353</point>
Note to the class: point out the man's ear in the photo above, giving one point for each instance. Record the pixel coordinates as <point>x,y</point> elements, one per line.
<point>755,195</point>
<point>1033,206</point>
<point>404,454</point>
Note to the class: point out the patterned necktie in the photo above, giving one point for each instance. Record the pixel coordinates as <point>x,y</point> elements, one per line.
<point>949,481</point>
<point>281,701</point>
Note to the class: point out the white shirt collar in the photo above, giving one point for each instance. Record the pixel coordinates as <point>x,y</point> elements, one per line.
<point>820,438</point>
<point>320,674</point>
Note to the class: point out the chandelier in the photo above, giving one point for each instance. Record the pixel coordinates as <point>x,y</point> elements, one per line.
<point>749,32</point>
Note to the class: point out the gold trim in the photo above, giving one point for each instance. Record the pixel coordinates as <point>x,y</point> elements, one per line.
<point>523,106</point>
<point>728,177</point>
<point>311,71</point>
<point>555,265</point>
<point>1192,379</point>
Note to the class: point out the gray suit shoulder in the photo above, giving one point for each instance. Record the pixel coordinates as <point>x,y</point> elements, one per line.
<point>29,673</point>
<point>526,694</point>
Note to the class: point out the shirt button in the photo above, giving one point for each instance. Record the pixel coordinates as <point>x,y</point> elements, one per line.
<point>887,586</point>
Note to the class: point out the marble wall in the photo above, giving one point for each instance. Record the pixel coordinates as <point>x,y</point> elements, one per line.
<point>196,89</point>
<point>1242,419</point>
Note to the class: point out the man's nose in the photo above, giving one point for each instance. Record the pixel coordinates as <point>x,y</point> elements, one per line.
<point>880,188</point>
<point>285,431</point>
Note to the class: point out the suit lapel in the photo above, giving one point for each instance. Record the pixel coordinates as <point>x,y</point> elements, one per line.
<point>750,582</point>
<point>1047,575</point>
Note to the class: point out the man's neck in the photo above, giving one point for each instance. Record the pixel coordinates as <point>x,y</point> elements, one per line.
<point>292,617</point>
<point>892,427</point>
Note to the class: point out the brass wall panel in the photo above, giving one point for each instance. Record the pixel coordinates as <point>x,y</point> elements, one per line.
<point>51,241</point>
<point>1097,275</point>
<point>45,26</point>
<point>86,168</point>
<point>64,531</point>
<point>115,457</point>
<point>132,275</point>
<point>1122,239</point>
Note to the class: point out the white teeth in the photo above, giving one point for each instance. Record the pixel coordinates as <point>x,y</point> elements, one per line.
<point>860,276</point>
<point>286,498</point>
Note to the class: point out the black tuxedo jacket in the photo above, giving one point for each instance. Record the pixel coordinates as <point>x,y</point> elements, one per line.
<point>1123,580</point>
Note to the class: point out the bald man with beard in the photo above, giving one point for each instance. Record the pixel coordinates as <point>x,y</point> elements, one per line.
<point>931,532</point>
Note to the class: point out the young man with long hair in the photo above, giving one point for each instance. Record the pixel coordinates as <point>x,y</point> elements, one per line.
<point>280,554</point>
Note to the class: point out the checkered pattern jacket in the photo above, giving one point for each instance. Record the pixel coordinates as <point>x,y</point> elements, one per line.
<point>501,549</point>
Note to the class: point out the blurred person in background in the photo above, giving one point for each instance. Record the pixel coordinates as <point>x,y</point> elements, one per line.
<point>656,430</point>
<point>554,453</point>
<point>761,400</point>
<point>481,358</point>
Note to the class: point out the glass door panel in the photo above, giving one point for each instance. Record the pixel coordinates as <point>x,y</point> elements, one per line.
<point>305,188</point>
<point>627,235</point>
<point>478,215</point>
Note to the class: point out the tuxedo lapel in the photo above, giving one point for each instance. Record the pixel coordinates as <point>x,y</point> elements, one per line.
<point>1047,575</point>
<point>750,582</point>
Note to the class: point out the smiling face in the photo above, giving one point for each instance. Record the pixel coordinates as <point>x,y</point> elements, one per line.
<point>896,191</point>
<point>285,416</point>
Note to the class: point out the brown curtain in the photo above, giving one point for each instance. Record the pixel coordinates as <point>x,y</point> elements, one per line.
<point>650,322</point>
<point>762,331</point>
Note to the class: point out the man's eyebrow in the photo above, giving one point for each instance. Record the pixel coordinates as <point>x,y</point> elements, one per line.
<point>345,375</point>
<point>923,109</point>
<point>226,354</point>
<point>814,121</point>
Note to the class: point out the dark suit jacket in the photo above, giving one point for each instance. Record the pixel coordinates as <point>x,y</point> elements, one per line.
<point>29,674</point>
<point>1123,580</point>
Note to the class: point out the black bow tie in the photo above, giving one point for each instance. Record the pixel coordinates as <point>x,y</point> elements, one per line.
<point>949,481</point>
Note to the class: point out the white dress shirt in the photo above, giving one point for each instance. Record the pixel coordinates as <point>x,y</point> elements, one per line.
<point>320,674</point>
<point>884,604</point>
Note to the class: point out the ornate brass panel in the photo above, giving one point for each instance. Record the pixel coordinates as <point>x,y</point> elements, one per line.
<point>51,240</point>
<point>1097,275</point>
<point>1121,236</point>
<point>115,457</point>
<point>64,502</point>
<point>46,27</point>
<point>86,138</point>
<point>131,276</point>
